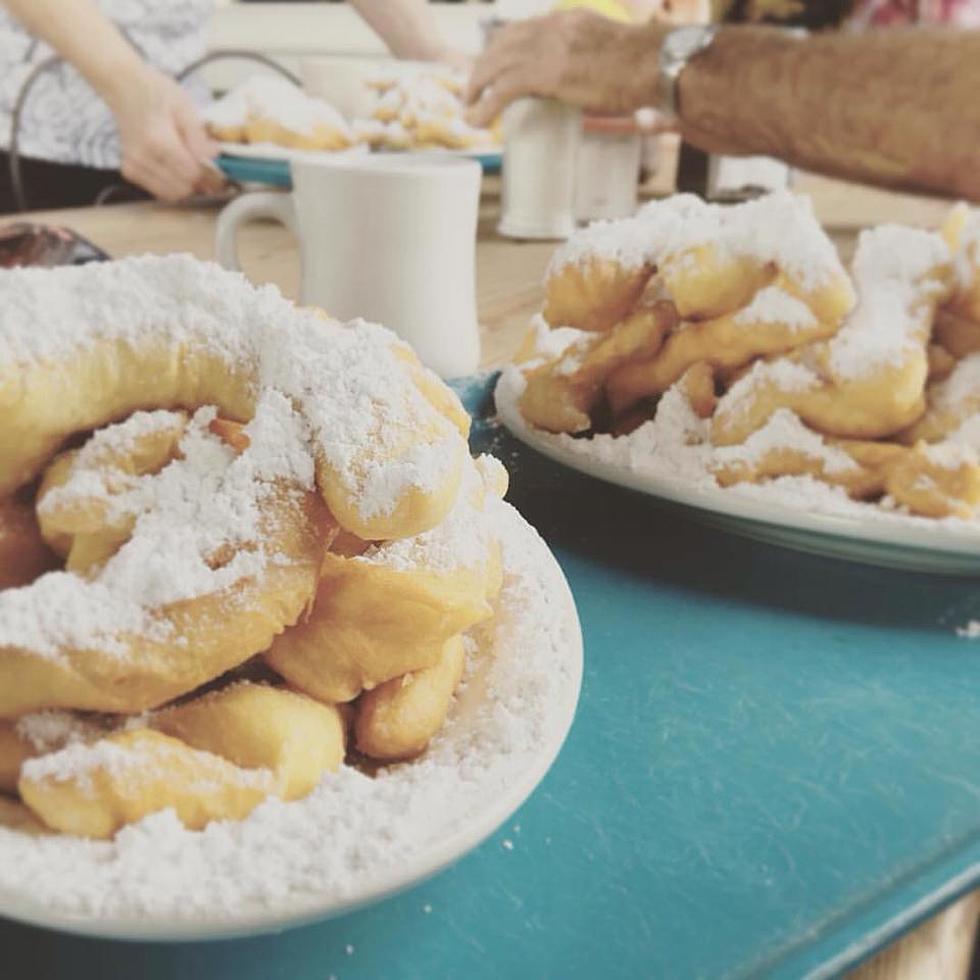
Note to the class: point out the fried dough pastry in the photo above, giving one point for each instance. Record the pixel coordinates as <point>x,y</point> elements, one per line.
<point>422,110</point>
<point>78,500</point>
<point>929,481</point>
<point>167,332</point>
<point>936,481</point>
<point>143,639</point>
<point>561,394</point>
<point>869,380</point>
<point>390,610</point>
<point>956,334</point>
<point>257,726</point>
<point>397,719</point>
<point>951,402</point>
<point>42,733</point>
<point>23,553</point>
<point>774,321</point>
<point>594,293</point>
<point>266,109</point>
<point>786,447</point>
<point>708,260</point>
<point>94,790</point>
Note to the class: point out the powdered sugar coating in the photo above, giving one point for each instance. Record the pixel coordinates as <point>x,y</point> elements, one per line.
<point>351,390</point>
<point>960,388</point>
<point>779,228</point>
<point>781,374</point>
<point>353,828</point>
<point>950,455</point>
<point>271,97</point>
<point>774,305</point>
<point>346,380</point>
<point>78,762</point>
<point>461,541</point>
<point>895,273</point>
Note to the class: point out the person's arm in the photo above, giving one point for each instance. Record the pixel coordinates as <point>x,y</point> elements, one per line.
<point>409,29</point>
<point>896,107</point>
<point>164,146</point>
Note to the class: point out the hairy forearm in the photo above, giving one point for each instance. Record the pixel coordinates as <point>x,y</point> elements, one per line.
<point>896,107</point>
<point>81,33</point>
<point>407,27</point>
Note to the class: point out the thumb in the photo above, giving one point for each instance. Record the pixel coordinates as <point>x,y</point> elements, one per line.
<point>195,136</point>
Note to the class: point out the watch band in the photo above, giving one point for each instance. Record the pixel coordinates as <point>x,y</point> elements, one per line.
<point>676,51</point>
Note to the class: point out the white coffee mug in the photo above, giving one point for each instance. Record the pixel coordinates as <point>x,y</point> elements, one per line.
<point>390,238</point>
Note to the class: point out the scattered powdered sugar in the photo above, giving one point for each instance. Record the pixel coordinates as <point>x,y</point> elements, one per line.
<point>275,98</point>
<point>778,228</point>
<point>898,275</point>
<point>785,430</point>
<point>353,830</point>
<point>775,305</point>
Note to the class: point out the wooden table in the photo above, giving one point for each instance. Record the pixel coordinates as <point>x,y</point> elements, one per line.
<point>509,290</point>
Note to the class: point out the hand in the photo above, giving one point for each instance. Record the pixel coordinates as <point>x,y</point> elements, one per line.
<point>165,148</point>
<point>575,56</point>
<point>456,60</point>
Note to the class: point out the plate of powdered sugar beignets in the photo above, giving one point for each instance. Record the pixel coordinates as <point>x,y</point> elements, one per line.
<point>272,644</point>
<point>724,359</point>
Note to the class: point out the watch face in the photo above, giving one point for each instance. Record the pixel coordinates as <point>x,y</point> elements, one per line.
<point>684,41</point>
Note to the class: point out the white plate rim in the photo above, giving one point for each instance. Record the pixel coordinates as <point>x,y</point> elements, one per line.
<point>487,817</point>
<point>938,540</point>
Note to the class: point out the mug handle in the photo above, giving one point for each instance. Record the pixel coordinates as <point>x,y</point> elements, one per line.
<point>246,208</point>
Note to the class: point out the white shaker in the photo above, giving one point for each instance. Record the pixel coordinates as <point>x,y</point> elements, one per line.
<point>607,172</point>
<point>540,146</point>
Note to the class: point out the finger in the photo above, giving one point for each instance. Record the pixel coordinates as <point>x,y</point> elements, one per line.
<point>211,180</point>
<point>153,176</point>
<point>195,136</point>
<point>505,50</point>
<point>506,90</point>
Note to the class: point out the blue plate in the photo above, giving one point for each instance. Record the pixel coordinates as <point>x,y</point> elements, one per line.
<point>275,173</point>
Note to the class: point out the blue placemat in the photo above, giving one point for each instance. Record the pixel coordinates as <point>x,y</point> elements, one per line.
<point>276,172</point>
<point>772,773</point>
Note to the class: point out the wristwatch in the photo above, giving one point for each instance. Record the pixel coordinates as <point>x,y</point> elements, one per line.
<point>676,50</point>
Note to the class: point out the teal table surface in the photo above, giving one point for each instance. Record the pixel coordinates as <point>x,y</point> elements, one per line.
<point>775,769</point>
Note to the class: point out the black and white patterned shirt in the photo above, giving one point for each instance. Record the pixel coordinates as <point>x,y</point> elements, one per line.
<point>63,119</point>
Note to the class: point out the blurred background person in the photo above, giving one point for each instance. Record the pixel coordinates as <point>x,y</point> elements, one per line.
<point>110,112</point>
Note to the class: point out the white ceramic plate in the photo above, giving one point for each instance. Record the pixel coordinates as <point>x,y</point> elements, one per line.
<point>487,810</point>
<point>914,545</point>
